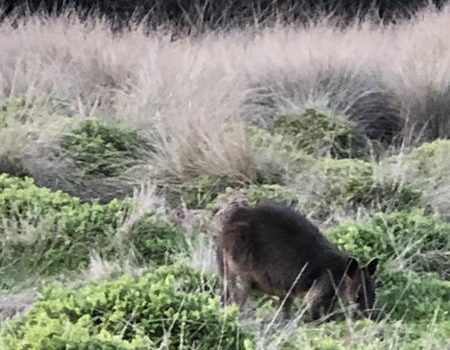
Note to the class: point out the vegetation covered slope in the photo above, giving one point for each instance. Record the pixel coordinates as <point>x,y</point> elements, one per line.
<point>120,153</point>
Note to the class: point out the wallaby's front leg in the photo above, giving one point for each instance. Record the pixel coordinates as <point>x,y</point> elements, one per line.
<point>285,305</point>
<point>240,291</point>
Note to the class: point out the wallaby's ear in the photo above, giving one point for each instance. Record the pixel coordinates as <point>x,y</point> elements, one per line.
<point>352,266</point>
<point>372,266</point>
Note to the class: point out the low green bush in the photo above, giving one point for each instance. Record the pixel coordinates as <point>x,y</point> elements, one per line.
<point>413,297</point>
<point>418,240</point>
<point>431,156</point>
<point>349,184</point>
<point>260,194</point>
<point>277,156</point>
<point>156,240</point>
<point>13,114</point>
<point>102,150</point>
<point>426,163</point>
<point>12,110</point>
<point>195,194</point>
<point>330,185</point>
<point>19,110</point>
<point>320,133</point>
<point>47,232</point>
<point>257,194</point>
<point>174,307</point>
<point>369,335</point>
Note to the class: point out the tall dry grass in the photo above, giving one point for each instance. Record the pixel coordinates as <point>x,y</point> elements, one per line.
<point>192,95</point>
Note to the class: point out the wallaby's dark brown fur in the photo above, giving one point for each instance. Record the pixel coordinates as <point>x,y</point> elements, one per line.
<point>278,251</point>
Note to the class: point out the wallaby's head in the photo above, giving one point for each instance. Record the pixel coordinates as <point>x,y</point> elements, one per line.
<point>358,289</point>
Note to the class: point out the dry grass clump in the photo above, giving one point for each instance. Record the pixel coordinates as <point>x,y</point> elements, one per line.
<point>192,94</point>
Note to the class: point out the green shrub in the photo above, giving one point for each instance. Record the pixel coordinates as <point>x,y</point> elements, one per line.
<point>18,110</point>
<point>173,307</point>
<point>277,156</point>
<point>195,194</point>
<point>419,240</point>
<point>13,110</point>
<point>431,156</point>
<point>321,134</point>
<point>260,194</point>
<point>46,232</point>
<point>256,195</point>
<point>13,114</point>
<point>349,184</point>
<point>102,150</point>
<point>429,162</point>
<point>157,240</point>
<point>413,297</point>
<point>368,335</point>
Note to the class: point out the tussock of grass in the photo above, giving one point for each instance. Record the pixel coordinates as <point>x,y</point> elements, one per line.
<point>217,109</point>
<point>368,74</point>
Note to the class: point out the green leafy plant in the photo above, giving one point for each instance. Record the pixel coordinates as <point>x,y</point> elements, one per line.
<point>174,307</point>
<point>427,164</point>
<point>413,297</point>
<point>349,184</point>
<point>256,195</point>
<point>47,232</point>
<point>197,193</point>
<point>277,156</point>
<point>156,240</point>
<point>260,194</point>
<point>370,335</point>
<point>420,241</point>
<point>431,156</point>
<point>12,110</point>
<point>102,150</point>
<point>319,133</point>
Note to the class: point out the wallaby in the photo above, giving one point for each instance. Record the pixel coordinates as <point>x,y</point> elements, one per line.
<point>276,250</point>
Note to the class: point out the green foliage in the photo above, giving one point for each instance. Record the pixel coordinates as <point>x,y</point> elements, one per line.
<point>427,164</point>
<point>419,243</point>
<point>368,335</point>
<point>321,134</point>
<point>349,184</point>
<point>413,297</point>
<point>200,192</point>
<point>206,191</point>
<point>258,194</point>
<point>47,232</point>
<point>102,150</point>
<point>420,240</point>
<point>277,156</point>
<point>173,307</point>
<point>13,113</point>
<point>156,240</point>
<point>431,156</point>
<point>12,110</point>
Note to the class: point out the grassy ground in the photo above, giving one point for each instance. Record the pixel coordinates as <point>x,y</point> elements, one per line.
<point>120,154</point>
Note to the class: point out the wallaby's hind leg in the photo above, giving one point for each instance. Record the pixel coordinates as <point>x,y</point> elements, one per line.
<point>235,290</point>
<point>240,291</point>
<point>235,286</point>
<point>229,283</point>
